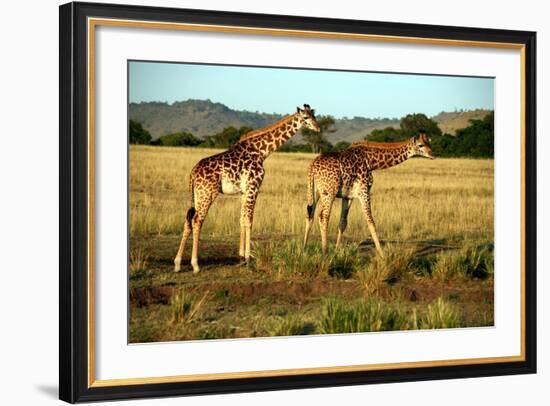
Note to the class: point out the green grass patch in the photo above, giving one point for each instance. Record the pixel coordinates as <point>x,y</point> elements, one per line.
<point>389,269</point>
<point>440,314</point>
<point>344,262</point>
<point>288,259</point>
<point>185,306</point>
<point>339,316</point>
<point>469,262</point>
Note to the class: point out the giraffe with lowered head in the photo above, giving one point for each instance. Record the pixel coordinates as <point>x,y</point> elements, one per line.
<point>237,170</point>
<point>347,175</point>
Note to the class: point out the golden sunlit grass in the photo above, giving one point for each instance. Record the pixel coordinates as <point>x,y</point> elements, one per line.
<point>443,199</point>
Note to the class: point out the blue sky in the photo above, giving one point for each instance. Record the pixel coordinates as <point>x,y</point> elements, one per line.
<point>276,90</point>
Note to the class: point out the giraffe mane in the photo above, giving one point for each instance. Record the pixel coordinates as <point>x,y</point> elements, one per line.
<point>262,130</point>
<point>380,145</point>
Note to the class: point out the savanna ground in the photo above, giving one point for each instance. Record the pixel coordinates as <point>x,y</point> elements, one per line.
<point>435,219</point>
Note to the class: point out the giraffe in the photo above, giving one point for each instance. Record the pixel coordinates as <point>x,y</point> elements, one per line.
<point>347,175</point>
<point>237,170</point>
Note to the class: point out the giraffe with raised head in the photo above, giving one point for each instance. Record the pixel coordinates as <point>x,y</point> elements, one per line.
<point>347,175</point>
<point>237,170</point>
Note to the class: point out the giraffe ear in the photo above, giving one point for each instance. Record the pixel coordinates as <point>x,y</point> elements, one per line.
<point>298,109</point>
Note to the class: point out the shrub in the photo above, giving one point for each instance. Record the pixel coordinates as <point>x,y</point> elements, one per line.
<point>138,134</point>
<point>178,139</point>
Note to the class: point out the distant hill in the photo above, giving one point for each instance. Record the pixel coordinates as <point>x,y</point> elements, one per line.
<point>204,117</point>
<point>200,117</point>
<point>449,122</point>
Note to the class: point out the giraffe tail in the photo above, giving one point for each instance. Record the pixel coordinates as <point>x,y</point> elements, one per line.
<point>310,194</point>
<point>310,203</point>
<point>191,211</point>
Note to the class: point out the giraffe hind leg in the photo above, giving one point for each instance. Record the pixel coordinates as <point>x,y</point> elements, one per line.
<point>186,232</point>
<point>203,200</point>
<point>346,204</point>
<point>309,220</point>
<point>324,217</point>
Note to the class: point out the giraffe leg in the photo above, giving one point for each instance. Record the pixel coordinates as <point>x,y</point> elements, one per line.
<point>324,217</point>
<point>309,219</point>
<point>186,232</point>
<point>247,215</point>
<point>366,203</point>
<point>242,238</point>
<point>203,202</point>
<point>346,204</point>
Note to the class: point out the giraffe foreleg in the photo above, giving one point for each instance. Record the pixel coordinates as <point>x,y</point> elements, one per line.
<point>245,223</point>
<point>247,215</point>
<point>247,209</point>
<point>242,239</point>
<point>366,204</point>
<point>342,225</point>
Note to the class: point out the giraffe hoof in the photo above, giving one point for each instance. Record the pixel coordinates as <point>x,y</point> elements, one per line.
<point>177,266</point>
<point>196,270</point>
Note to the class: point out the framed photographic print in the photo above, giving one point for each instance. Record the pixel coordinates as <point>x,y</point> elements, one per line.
<point>257,202</point>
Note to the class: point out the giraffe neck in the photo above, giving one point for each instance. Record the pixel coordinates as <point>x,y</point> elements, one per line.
<point>382,155</point>
<point>269,139</point>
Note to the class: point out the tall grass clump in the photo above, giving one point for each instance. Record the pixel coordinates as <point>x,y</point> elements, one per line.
<point>386,270</point>
<point>339,316</point>
<point>345,261</point>
<point>185,306</point>
<point>263,254</point>
<point>286,326</point>
<point>287,259</point>
<point>138,262</point>
<point>468,262</point>
<point>440,314</point>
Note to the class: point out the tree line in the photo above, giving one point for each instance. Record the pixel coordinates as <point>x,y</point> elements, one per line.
<point>475,140</point>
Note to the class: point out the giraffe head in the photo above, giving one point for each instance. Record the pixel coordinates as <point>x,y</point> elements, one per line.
<point>306,117</point>
<point>421,146</point>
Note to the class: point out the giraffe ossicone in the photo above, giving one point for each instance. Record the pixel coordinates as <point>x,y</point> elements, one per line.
<point>238,170</point>
<point>347,175</point>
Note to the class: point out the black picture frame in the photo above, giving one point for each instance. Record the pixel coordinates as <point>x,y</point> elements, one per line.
<point>73,283</point>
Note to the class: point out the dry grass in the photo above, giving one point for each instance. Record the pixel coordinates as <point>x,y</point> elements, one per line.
<point>449,199</point>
